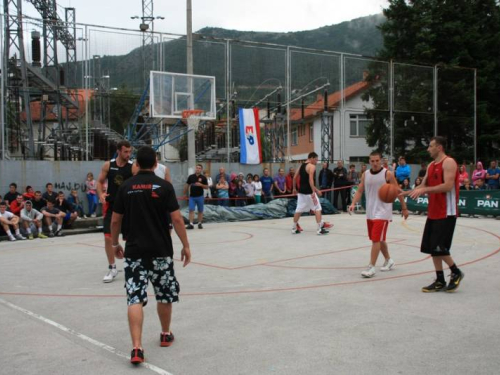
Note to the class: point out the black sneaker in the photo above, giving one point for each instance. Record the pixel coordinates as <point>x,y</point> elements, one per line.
<point>200,226</point>
<point>436,286</point>
<point>137,356</point>
<point>322,231</point>
<point>455,280</point>
<point>189,226</point>
<point>166,339</point>
<point>59,233</point>
<point>51,234</point>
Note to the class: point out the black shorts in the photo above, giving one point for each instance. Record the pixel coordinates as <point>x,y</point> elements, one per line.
<point>160,271</point>
<point>438,235</point>
<point>106,222</point>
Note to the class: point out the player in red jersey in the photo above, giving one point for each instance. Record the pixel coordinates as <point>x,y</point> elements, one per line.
<point>441,185</point>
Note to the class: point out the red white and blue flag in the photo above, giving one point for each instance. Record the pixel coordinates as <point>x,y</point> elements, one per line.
<point>250,148</point>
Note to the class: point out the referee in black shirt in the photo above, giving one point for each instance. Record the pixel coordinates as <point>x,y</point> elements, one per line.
<point>140,210</point>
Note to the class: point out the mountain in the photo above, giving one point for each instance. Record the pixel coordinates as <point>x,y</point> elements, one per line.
<point>253,68</point>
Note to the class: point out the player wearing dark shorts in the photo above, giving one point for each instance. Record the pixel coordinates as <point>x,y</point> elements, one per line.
<point>196,183</point>
<point>116,171</point>
<point>139,210</point>
<point>441,185</point>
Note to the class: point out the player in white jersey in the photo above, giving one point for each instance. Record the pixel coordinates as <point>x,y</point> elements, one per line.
<point>378,213</point>
<point>162,171</point>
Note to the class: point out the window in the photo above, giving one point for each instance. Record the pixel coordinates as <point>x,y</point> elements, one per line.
<point>358,124</point>
<point>311,133</point>
<point>295,140</point>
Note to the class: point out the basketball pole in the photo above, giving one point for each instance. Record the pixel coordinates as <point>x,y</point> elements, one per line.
<point>189,54</point>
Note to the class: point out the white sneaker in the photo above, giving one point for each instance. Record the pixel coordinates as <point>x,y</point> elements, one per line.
<point>93,215</point>
<point>112,272</point>
<point>20,237</point>
<point>12,238</point>
<point>369,272</point>
<point>388,265</point>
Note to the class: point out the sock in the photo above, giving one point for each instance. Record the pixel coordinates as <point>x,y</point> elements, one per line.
<point>59,226</point>
<point>9,233</point>
<point>191,223</point>
<point>454,269</point>
<point>320,224</point>
<point>17,232</point>
<point>112,266</point>
<point>28,230</point>
<point>295,225</point>
<point>40,229</point>
<point>440,276</point>
<point>166,333</point>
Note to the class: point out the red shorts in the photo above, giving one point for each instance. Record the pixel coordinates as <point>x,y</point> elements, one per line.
<point>377,229</point>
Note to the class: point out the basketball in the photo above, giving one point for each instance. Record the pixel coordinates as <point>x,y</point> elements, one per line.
<point>388,193</point>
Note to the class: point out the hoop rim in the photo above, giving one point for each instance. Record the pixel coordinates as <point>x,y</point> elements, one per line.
<point>186,114</point>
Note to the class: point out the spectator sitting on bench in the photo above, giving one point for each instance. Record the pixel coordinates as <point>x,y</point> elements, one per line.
<point>63,205</point>
<point>31,221</point>
<point>8,219</point>
<point>53,215</point>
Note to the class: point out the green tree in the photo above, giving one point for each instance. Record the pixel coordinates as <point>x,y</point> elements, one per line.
<point>451,34</point>
<point>122,104</point>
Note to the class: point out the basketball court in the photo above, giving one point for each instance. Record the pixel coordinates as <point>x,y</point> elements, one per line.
<point>258,300</point>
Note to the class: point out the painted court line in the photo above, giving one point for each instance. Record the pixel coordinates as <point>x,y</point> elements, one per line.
<point>83,337</point>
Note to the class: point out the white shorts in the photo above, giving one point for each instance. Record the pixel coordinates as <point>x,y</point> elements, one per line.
<point>307,202</point>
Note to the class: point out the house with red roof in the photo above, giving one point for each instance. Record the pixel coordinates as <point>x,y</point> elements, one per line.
<point>349,125</point>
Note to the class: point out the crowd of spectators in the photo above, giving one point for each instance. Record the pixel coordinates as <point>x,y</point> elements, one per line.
<point>32,214</point>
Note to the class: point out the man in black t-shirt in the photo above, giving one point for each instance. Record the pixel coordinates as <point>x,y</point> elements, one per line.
<point>196,183</point>
<point>38,202</point>
<point>140,207</point>
<point>49,192</point>
<point>63,205</point>
<point>12,194</point>
<point>340,183</point>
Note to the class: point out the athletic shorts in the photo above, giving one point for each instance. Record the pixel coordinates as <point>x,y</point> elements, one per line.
<point>160,271</point>
<point>68,216</point>
<point>307,202</point>
<point>438,235</point>
<point>107,210</point>
<point>377,229</point>
<point>196,201</point>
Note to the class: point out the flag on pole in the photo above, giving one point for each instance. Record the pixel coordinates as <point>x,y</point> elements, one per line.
<point>250,148</point>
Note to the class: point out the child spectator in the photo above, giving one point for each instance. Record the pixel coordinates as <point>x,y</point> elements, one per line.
<point>223,191</point>
<point>208,192</point>
<point>466,185</point>
<point>257,188</point>
<point>248,186</point>
<point>75,201</point>
<point>240,194</point>
<point>91,193</point>
<point>462,175</point>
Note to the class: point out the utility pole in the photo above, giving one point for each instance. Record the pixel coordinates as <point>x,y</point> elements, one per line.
<point>189,54</point>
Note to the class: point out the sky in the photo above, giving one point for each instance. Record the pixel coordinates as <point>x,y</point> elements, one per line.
<point>254,15</point>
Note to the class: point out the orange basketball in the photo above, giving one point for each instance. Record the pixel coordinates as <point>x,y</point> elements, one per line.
<point>388,193</point>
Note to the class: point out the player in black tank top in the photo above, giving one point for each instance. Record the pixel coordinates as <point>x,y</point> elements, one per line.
<point>116,176</point>
<point>305,188</point>
<point>116,171</point>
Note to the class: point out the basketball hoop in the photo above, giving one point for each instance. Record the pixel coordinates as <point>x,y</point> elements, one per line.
<point>193,117</point>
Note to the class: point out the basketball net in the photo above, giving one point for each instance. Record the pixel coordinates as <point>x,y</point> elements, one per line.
<point>193,118</point>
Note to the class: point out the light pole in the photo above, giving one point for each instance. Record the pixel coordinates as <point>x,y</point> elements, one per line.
<point>189,55</point>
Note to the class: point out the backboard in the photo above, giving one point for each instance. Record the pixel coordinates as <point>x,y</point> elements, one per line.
<point>172,93</point>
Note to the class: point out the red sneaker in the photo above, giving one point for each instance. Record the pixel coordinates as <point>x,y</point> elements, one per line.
<point>166,339</point>
<point>299,228</point>
<point>137,356</point>
<point>327,225</point>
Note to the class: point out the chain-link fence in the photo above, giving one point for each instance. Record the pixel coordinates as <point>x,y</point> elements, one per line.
<point>339,105</point>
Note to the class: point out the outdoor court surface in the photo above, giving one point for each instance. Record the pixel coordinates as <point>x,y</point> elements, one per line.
<point>258,300</point>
